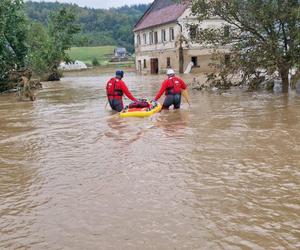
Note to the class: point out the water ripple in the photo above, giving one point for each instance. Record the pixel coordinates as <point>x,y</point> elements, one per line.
<point>223,174</point>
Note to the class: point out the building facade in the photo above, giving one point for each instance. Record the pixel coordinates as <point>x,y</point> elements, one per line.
<point>163,39</point>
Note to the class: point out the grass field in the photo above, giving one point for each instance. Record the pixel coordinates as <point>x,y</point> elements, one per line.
<point>87,54</point>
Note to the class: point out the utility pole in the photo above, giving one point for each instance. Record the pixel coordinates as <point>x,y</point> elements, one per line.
<point>181,40</point>
<point>181,57</point>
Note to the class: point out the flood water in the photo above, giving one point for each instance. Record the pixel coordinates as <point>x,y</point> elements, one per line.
<point>224,174</point>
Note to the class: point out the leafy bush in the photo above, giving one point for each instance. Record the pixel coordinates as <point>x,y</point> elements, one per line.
<point>95,62</point>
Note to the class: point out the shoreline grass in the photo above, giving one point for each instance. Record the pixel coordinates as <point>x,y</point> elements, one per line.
<point>103,55</point>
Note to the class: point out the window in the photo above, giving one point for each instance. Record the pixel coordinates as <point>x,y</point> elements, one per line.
<point>193,31</point>
<point>163,36</point>
<point>138,40</point>
<point>145,63</point>
<point>168,62</point>
<point>226,31</point>
<point>151,37</point>
<point>144,38</point>
<point>171,34</point>
<point>155,37</point>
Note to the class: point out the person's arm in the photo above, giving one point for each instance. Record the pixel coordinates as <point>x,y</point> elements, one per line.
<point>182,84</point>
<point>161,91</point>
<point>106,87</point>
<point>127,92</point>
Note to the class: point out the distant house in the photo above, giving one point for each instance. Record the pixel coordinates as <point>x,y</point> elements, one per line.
<point>120,54</point>
<point>77,65</point>
<point>163,39</point>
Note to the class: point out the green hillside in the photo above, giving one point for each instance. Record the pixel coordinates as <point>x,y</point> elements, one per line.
<point>99,27</point>
<point>87,54</point>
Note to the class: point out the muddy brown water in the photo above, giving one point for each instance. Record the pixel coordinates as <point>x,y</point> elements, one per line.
<point>224,174</point>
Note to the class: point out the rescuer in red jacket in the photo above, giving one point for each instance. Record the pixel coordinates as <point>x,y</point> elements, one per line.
<point>173,88</point>
<point>115,88</point>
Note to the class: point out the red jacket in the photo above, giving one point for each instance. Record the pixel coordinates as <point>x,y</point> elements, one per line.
<point>115,88</point>
<point>172,85</point>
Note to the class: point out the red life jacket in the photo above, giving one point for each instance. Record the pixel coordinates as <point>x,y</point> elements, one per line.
<point>112,90</point>
<point>174,86</point>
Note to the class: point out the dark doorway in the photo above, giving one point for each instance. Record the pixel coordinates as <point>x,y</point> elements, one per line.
<point>154,65</point>
<point>195,61</point>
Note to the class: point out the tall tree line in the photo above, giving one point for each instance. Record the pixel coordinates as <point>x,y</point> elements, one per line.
<point>98,26</point>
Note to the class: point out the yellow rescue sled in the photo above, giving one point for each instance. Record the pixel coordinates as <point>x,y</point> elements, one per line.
<point>141,108</point>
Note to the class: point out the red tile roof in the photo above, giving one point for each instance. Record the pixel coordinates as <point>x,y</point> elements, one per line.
<point>157,15</point>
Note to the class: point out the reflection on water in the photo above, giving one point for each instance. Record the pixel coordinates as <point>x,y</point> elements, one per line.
<point>173,122</point>
<point>223,174</point>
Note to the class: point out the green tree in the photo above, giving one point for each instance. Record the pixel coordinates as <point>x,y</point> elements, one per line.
<point>39,48</point>
<point>13,30</point>
<point>61,31</point>
<point>95,62</point>
<point>263,34</point>
<point>30,45</point>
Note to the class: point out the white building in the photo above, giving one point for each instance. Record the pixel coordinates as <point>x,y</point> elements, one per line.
<point>163,39</point>
<point>77,65</point>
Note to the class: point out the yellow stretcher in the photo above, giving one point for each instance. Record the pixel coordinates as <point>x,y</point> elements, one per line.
<point>153,108</point>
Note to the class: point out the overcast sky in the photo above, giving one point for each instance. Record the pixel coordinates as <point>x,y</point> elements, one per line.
<point>99,4</point>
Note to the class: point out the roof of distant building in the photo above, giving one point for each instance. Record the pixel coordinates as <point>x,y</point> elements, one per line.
<point>160,12</point>
<point>120,50</point>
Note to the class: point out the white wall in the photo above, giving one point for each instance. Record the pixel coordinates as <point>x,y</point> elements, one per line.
<point>160,45</point>
<point>184,20</point>
<point>161,50</point>
<point>187,19</point>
